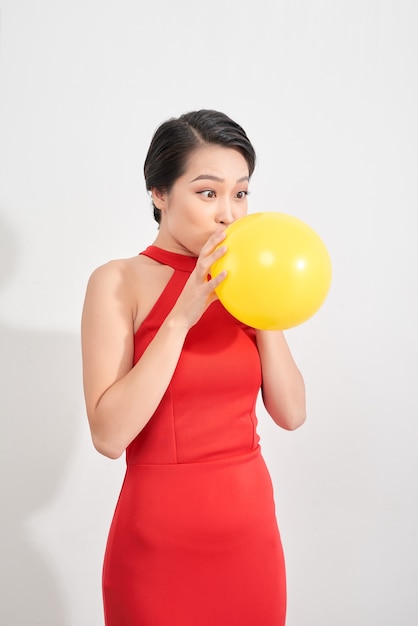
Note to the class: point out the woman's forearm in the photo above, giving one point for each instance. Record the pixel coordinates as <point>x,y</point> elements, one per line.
<point>128,404</point>
<point>283,388</point>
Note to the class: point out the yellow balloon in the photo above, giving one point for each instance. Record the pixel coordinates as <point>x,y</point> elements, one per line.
<point>278,271</point>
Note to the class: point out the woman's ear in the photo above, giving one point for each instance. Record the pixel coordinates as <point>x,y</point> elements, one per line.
<point>158,198</point>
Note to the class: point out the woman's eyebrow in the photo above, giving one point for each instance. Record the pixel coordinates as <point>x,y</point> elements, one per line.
<point>217,179</point>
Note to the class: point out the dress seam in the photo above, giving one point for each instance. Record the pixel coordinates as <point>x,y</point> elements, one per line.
<point>173,425</point>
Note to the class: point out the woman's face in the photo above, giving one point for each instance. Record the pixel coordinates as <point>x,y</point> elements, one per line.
<point>211,193</point>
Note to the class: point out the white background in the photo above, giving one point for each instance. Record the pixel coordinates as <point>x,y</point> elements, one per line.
<point>327,92</point>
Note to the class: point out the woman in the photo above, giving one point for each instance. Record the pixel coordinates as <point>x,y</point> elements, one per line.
<point>172,378</point>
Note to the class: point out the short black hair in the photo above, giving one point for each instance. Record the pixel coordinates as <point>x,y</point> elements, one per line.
<point>176,138</point>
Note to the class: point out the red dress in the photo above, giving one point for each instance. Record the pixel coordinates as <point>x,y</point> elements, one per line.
<point>194,539</point>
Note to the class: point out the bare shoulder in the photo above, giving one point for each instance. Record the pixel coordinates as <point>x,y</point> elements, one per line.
<point>125,269</point>
<point>118,270</point>
<point>111,283</point>
<point>132,284</point>
<point>119,274</point>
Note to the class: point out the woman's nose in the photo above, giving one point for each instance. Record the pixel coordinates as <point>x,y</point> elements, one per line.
<point>225,212</point>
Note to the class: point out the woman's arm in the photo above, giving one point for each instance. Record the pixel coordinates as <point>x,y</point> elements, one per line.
<point>120,398</point>
<point>283,389</point>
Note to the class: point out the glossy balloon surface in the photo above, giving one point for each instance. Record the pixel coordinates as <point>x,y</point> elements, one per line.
<point>278,271</point>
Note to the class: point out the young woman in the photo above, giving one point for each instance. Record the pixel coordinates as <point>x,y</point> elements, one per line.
<point>172,378</point>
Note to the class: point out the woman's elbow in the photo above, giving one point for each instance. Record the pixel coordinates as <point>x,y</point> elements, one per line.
<point>294,421</point>
<point>290,419</point>
<point>105,437</point>
<point>107,448</point>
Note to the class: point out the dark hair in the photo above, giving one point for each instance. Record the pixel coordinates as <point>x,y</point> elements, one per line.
<point>176,138</point>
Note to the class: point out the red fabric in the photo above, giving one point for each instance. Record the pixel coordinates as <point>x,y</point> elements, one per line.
<point>194,539</point>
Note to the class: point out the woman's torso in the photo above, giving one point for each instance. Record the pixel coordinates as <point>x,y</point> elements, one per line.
<point>208,410</point>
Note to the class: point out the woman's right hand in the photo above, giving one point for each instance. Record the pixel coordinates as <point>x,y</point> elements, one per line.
<point>199,291</point>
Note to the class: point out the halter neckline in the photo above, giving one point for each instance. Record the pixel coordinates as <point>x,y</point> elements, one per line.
<point>175,260</point>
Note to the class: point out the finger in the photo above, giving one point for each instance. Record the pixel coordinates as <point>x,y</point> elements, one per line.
<point>204,264</point>
<point>216,280</point>
<point>216,254</point>
<point>213,241</point>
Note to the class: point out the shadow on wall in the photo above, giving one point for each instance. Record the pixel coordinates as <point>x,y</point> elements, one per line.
<point>38,374</point>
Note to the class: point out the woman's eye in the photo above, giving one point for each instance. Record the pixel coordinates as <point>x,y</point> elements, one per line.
<point>207,193</point>
<point>242,194</point>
